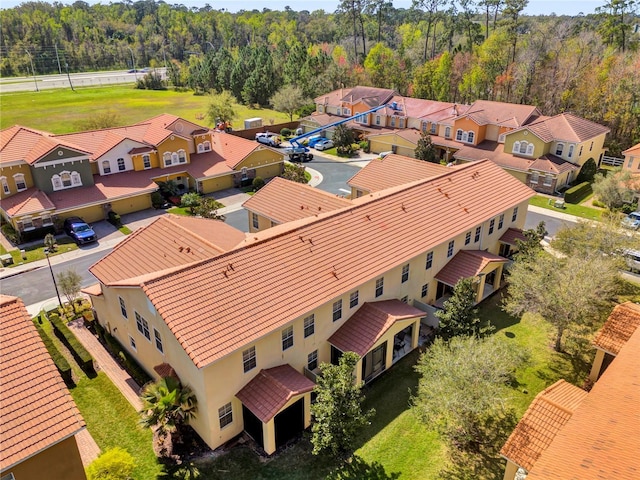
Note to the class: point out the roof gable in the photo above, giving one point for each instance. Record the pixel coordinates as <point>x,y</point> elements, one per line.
<point>623,321</point>
<point>511,115</point>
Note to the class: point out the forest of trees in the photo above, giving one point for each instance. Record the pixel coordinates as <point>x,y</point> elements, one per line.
<point>448,50</point>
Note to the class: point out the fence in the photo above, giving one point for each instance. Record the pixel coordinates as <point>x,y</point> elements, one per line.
<point>612,161</point>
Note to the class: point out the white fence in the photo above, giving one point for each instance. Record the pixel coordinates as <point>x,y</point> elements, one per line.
<point>612,161</point>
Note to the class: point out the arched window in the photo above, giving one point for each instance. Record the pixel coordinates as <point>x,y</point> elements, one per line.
<point>5,185</point>
<point>56,182</point>
<point>76,180</point>
<point>501,138</point>
<point>106,166</point>
<point>424,127</point>
<point>200,148</point>
<point>207,146</point>
<point>20,183</point>
<point>167,158</point>
<point>174,157</point>
<point>559,149</point>
<point>459,135</point>
<point>570,154</point>
<point>470,137</point>
<point>182,156</point>
<point>530,149</point>
<point>434,127</point>
<point>516,147</point>
<point>523,147</point>
<point>447,132</point>
<point>66,179</point>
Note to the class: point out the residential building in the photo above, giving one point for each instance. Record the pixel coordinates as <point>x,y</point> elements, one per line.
<point>245,321</point>
<point>632,159</point>
<point>39,418</point>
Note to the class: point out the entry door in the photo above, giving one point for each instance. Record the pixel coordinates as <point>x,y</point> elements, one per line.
<point>289,423</point>
<point>374,362</point>
<point>253,426</point>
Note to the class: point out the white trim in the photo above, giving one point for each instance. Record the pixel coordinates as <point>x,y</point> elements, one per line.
<point>59,162</point>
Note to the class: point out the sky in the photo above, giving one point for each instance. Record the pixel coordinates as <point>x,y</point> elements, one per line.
<point>535,7</point>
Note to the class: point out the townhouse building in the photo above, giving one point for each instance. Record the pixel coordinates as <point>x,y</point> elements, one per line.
<point>246,319</point>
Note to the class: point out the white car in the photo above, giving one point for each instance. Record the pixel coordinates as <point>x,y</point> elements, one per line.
<point>632,221</point>
<point>323,144</point>
<point>267,138</point>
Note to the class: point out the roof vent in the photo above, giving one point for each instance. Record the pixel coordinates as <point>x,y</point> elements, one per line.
<point>180,249</point>
<point>368,217</point>
<point>404,209</point>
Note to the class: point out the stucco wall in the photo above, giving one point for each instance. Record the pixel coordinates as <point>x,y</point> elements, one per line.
<point>9,172</point>
<point>60,462</point>
<point>42,176</point>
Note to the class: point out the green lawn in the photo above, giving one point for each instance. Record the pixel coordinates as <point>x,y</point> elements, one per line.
<point>589,213</point>
<point>59,110</point>
<point>34,253</point>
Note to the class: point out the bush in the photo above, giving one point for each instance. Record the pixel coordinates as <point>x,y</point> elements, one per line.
<point>587,171</point>
<point>60,361</point>
<point>364,145</point>
<point>157,200</point>
<point>114,219</point>
<point>80,354</point>
<point>577,194</point>
<point>11,233</point>
<point>114,464</point>
<point>285,132</point>
<point>257,183</point>
<point>598,203</point>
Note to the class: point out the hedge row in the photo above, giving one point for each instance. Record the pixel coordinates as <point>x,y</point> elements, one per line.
<point>61,362</point>
<point>84,359</point>
<point>577,194</point>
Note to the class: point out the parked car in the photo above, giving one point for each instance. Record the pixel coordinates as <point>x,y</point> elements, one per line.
<point>313,139</point>
<point>632,221</point>
<point>323,144</point>
<point>271,139</point>
<point>632,258</point>
<point>79,230</point>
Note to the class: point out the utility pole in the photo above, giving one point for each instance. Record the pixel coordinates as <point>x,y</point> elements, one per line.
<point>166,71</point>
<point>66,66</point>
<point>35,80</point>
<point>58,58</point>
<point>133,61</point>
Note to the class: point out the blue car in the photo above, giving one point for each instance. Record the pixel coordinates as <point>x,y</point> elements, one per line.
<point>79,230</point>
<point>632,221</point>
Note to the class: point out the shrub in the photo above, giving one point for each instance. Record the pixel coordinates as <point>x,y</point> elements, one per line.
<point>157,200</point>
<point>114,464</point>
<point>78,351</point>
<point>598,203</point>
<point>587,171</point>
<point>257,183</point>
<point>285,132</point>
<point>11,233</point>
<point>60,361</point>
<point>364,145</point>
<point>578,193</point>
<point>114,219</point>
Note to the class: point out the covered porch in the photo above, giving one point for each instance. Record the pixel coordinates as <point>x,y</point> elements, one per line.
<point>276,406</point>
<point>509,242</point>
<point>381,333</point>
<point>486,268</point>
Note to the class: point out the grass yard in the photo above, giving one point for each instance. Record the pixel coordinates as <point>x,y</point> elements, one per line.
<point>34,253</point>
<point>590,213</point>
<point>60,110</point>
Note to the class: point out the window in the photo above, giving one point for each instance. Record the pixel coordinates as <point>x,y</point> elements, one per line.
<point>629,164</point>
<point>244,172</point>
<point>225,415</point>
<point>353,299</point>
<point>548,180</point>
<point>570,154</point>
<point>123,307</point>
<point>158,338</point>
<point>207,146</point>
<point>377,119</point>
<point>492,224</point>
<point>106,166</point>
<point>559,149</point>
<point>287,338</point>
<point>580,152</point>
<point>405,299</point>
<point>467,238</point>
<point>309,325</point>
<point>76,181</point>
<point>320,108</point>
<point>20,183</point>
<point>46,219</point>
<point>200,148</point>
<point>434,127</point>
<point>515,214</point>
<point>132,342</point>
<point>405,273</point>
<point>523,147</point>
<point>379,286</point>
<point>459,135</point>
<point>312,360</point>
<point>591,146</point>
<point>470,137</point>
<point>425,290</point>
<point>167,159</point>
<point>501,138</point>
<point>254,220</point>
<point>65,177</point>
<point>143,326</point>
<point>121,165</point>
<point>346,111</point>
<point>530,149</point>
<point>393,121</point>
<point>534,177</point>
<point>249,359</point>
<point>401,123</point>
<point>476,238</point>
<point>450,248</point>
<point>182,156</point>
<point>447,132</point>
<point>516,147</point>
<point>146,161</point>
<point>27,223</point>
<point>424,127</point>
<point>501,221</point>
<point>362,119</point>
<point>429,263</point>
<point>5,185</point>
<point>337,310</point>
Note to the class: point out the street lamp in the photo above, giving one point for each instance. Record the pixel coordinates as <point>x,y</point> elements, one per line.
<point>35,80</point>
<point>133,61</point>
<point>49,242</point>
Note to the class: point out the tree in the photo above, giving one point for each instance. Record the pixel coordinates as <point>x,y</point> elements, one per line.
<point>50,243</point>
<point>531,245</point>
<point>295,173</point>
<point>425,150</point>
<point>337,413</point>
<point>288,99</point>
<point>70,283</point>
<point>613,189</point>
<point>191,200</point>
<point>343,139</point>
<point>463,387</point>
<point>221,108</point>
<point>208,208</point>
<point>384,67</point>
<point>571,293</point>
<point>588,238</point>
<point>459,316</point>
<point>99,120</point>
<point>587,171</point>
<point>114,464</point>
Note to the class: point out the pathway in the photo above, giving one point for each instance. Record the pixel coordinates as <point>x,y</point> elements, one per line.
<point>89,449</point>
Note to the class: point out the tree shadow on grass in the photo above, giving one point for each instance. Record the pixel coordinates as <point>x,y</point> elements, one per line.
<point>358,469</point>
<point>490,312</point>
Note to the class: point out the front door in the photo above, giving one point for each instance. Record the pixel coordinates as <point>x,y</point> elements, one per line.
<point>374,362</point>
<point>289,423</point>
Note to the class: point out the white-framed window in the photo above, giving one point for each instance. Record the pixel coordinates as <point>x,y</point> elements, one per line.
<point>146,162</point>
<point>5,185</point>
<point>46,219</point>
<point>106,166</point>
<point>66,179</point>
<point>447,132</point>
<point>166,157</point>
<point>320,108</point>
<point>405,273</point>
<point>362,119</point>
<point>346,111</point>
<point>500,221</point>
<point>501,138</point>
<point>56,182</point>
<point>467,238</point>
<point>143,326</point>
<point>379,286</point>
<point>132,342</point>
<point>158,339</point>
<point>515,214</point>
<point>207,146</point>
<point>401,123</point>
<point>354,299</point>
<point>174,158</point>
<point>200,148</point>
<point>309,325</point>
<point>405,299</point>
<point>337,310</point>
<point>559,149</point>
<point>492,225</point>
<point>21,185</point>
<point>254,220</point>
<point>312,360</point>
<point>450,248</point>
<point>548,180</point>
<point>425,290</point>
<point>459,134</point>
<point>249,359</point>
<point>476,237</point>
<point>76,180</point>
<point>287,338</point>
<point>225,415</point>
<point>470,137</point>
<point>378,120</point>
<point>570,153</point>
<point>534,177</point>
<point>123,307</point>
<point>424,126</point>
<point>629,164</point>
<point>530,148</point>
<point>429,262</point>
<point>121,165</point>
<point>244,171</point>
<point>182,156</point>
<point>434,128</point>
<point>393,121</point>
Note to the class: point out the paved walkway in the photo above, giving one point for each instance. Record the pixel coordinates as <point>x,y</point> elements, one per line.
<point>89,449</point>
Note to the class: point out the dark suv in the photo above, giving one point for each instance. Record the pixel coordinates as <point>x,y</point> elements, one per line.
<point>79,230</point>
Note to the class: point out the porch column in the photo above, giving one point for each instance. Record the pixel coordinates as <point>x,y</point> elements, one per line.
<point>510,471</point>
<point>269,436</point>
<point>597,365</point>
<point>415,334</point>
<point>307,410</point>
<point>389,355</point>
<point>359,371</point>
<point>479,292</point>
<point>498,280</point>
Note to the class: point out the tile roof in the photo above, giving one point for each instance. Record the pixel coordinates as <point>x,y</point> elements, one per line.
<point>21,144</point>
<point>494,151</point>
<point>616,331</point>
<point>512,235</point>
<point>95,290</point>
<point>332,98</point>
<point>26,202</point>
<point>37,409</point>
<point>283,201</point>
<point>548,412</point>
<point>600,440</point>
<point>633,150</point>
<point>232,148</point>
<point>358,243</point>
<point>511,115</point>
<point>371,96</point>
<point>169,241</point>
<point>165,370</point>
<point>391,171</point>
<point>372,320</point>
<point>465,264</point>
<point>271,389</point>
<point>551,164</point>
<point>565,126</point>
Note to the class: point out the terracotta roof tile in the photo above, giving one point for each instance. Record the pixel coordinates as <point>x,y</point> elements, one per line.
<point>165,370</point>
<point>465,264</point>
<point>95,290</point>
<point>169,241</point>
<point>361,242</point>
<point>633,150</point>
<point>37,410</point>
<point>370,323</point>
<point>600,440</point>
<point>623,321</point>
<point>511,115</point>
<point>271,389</point>
<point>283,201</point>
<point>512,235</point>
<point>551,164</point>
<point>371,96</point>
<point>565,126</point>
<point>494,151</point>
<point>232,148</point>
<point>332,98</point>
<point>27,202</point>
<point>391,171</point>
<point>549,411</point>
